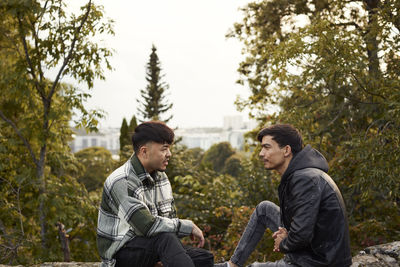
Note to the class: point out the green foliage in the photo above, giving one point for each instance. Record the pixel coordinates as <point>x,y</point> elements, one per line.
<point>335,79</point>
<point>97,163</point>
<point>126,132</point>
<point>153,103</point>
<point>125,139</point>
<point>214,200</point>
<point>66,201</point>
<point>123,136</point>
<point>216,156</point>
<point>40,40</point>
<point>233,165</point>
<point>240,217</point>
<point>132,125</point>
<point>183,162</point>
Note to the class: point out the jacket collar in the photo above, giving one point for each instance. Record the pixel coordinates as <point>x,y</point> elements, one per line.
<point>141,173</point>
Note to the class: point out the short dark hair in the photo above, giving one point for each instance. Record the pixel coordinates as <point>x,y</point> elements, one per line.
<point>152,131</point>
<point>283,134</point>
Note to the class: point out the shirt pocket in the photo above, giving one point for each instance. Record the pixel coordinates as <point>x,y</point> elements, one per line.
<point>108,225</point>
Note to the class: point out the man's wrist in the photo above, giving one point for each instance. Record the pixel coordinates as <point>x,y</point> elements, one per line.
<point>282,246</point>
<point>185,228</point>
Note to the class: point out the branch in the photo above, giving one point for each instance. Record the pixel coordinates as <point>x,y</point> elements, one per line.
<point>36,38</point>
<point>67,59</point>
<point>365,89</point>
<point>28,59</point>
<point>26,142</point>
<point>41,16</point>
<point>21,223</point>
<point>17,193</point>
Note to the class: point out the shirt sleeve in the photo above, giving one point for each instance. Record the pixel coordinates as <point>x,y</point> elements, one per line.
<point>304,206</point>
<point>138,216</point>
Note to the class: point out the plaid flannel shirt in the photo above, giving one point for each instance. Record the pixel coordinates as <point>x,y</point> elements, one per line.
<point>134,203</point>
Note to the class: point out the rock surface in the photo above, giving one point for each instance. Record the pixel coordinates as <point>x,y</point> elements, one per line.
<point>61,264</point>
<point>379,255</point>
<point>375,256</point>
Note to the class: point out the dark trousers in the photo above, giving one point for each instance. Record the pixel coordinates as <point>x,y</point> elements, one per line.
<point>165,247</point>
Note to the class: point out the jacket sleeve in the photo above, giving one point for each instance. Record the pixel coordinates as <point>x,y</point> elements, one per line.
<point>138,216</point>
<point>303,205</point>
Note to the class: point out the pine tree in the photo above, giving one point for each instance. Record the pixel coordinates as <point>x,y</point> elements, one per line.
<point>132,126</point>
<point>123,140</point>
<point>153,103</point>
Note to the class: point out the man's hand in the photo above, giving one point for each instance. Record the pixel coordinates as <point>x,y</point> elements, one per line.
<point>279,236</point>
<point>198,234</point>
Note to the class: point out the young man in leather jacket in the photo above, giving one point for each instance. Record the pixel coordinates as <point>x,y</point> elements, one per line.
<point>310,226</point>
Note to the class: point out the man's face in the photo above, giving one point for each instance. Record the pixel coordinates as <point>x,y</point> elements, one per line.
<point>271,154</point>
<point>158,156</point>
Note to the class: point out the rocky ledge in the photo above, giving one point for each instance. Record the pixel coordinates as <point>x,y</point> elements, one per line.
<point>375,256</point>
<point>379,255</point>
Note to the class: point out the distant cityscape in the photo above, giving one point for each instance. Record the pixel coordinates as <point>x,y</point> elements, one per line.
<point>232,131</point>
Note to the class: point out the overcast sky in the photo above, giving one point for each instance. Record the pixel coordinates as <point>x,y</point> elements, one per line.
<point>199,63</point>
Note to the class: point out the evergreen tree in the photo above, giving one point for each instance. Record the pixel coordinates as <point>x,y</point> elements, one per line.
<point>153,103</point>
<point>132,126</point>
<point>125,141</point>
<point>123,137</point>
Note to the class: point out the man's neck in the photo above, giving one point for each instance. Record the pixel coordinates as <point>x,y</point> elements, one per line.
<point>281,170</point>
<point>144,164</point>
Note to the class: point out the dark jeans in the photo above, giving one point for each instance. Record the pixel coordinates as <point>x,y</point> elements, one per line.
<point>165,247</point>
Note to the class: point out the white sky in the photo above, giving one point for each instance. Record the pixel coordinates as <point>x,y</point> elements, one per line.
<point>199,63</point>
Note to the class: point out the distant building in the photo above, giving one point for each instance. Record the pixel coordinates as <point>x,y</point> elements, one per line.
<point>233,123</point>
<point>233,131</point>
<point>107,138</point>
<point>199,137</point>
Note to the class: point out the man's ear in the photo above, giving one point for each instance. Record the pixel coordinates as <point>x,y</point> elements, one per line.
<point>143,151</point>
<point>287,151</point>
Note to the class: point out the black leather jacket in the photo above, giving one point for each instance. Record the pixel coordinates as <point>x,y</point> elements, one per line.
<point>313,212</point>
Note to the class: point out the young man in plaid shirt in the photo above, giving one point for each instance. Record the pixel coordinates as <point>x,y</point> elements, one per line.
<point>137,223</point>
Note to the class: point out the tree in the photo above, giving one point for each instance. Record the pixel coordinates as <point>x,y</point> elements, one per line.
<point>41,44</point>
<point>216,156</point>
<point>336,78</point>
<point>131,128</point>
<point>125,139</point>
<point>221,203</point>
<point>98,164</point>
<point>153,103</point>
<point>233,165</point>
<point>123,136</point>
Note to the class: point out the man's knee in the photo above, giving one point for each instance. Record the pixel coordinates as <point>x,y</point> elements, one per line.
<point>200,257</point>
<point>267,207</point>
<point>168,238</point>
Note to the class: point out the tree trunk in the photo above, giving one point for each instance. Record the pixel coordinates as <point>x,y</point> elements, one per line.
<point>64,241</point>
<point>41,175</point>
<point>42,197</point>
<point>371,39</point>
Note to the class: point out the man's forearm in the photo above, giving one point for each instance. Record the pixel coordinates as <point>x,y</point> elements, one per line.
<point>146,224</point>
